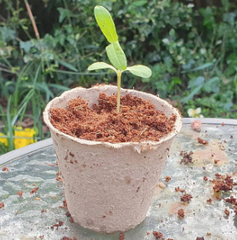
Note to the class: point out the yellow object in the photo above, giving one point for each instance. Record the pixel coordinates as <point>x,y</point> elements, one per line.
<point>195,113</point>
<point>23,137</point>
<point>3,139</point>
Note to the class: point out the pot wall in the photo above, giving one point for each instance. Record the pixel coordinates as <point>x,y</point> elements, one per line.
<point>109,187</point>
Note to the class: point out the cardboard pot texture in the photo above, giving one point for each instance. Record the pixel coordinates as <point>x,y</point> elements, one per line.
<point>109,186</point>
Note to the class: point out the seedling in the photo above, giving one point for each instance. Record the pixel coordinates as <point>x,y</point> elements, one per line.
<point>114,52</point>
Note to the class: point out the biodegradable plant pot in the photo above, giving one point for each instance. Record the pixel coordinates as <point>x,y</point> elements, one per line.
<point>109,186</point>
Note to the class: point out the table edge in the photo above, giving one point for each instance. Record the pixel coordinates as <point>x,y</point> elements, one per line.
<point>15,154</point>
<point>34,147</point>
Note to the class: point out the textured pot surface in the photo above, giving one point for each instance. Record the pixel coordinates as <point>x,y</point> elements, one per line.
<point>109,186</point>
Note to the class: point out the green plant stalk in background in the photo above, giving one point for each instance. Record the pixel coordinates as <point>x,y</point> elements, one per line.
<point>114,52</point>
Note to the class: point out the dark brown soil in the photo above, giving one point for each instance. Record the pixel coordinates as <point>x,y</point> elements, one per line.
<point>167,178</point>
<point>201,141</point>
<point>186,157</point>
<point>121,236</point>
<point>227,212</point>
<point>20,193</point>
<point>181,213</point>
<point>137,121</point>
<point>64,204</point>
<point>186,198</point>
<point>223,183</point>
<point>57,225</point>
<point>158,235</point>
<point>209,200</point>
<point>231,200</point>
<point>34,190</point>
<point>67,238</point>
<point>177,189</point>
<point>5,169</point>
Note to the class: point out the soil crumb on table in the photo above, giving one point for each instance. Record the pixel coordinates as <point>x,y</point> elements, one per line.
<point>57,225</point>
<point>181,213</point>
<point>186,198</point>
<point>5,169</point>
<point>201,141</point>
<point>186,157</point>
<point>67,238</point>
<point>34,190</point>
<point>121,236</point>
<point>167,178</point>
<point>223,183</point>
<point>137,121</point>
<point>227,212</point>
<point>20,193</point>
<point>158,235</point>
<point>2,204</point>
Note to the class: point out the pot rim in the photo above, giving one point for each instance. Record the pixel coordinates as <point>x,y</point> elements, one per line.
<point>147,144</point>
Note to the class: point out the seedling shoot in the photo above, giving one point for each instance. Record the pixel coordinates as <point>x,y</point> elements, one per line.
<point>114,52</point>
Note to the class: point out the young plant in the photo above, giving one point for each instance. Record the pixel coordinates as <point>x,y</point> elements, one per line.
<point>114,52</point>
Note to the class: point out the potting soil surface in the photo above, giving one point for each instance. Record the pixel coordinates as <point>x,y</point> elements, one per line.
<point>195,197</point>
<point>137,120</point>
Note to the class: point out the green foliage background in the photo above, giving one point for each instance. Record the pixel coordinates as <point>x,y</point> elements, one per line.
<point>191,47</point>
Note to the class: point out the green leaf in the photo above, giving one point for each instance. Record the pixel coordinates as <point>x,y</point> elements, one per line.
<point>116,56</point>
<point>106,23</point>
<point>26,46</point>
<point>139,3</point>
<point>199,81</point>
<point>67,65</point>
<point>57,86</point>
<point>140,71</point>
<point>212,85</point>
<point>7,34</point>
<point>100,65</point>
<point>204,66</point>
<point>64,13</point>
<point>194,92</point>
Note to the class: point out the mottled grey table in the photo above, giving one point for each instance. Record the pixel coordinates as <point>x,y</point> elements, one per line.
<point>40,215</point>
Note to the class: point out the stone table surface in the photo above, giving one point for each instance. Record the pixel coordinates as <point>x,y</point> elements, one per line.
<point>39,213</point>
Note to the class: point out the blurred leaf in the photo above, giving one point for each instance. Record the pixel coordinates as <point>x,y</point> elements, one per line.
<point>176,80</point>
<point>202,67</point>
<point>212,85</point>
<point>199,81</point>
<point>67,65</point>
<point>64,13</point>
<point>7,34</point>
<point>208,15</point>
<point>230,18</point>
<point>138,3</point>
<point>192,94</point>
<point>62,88</point>
<point>172,32</point>
<point>228,106</point>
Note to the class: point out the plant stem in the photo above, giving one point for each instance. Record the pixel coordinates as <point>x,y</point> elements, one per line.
<point>119,73</point>
<point>32,20</point>
<point>10,126</point>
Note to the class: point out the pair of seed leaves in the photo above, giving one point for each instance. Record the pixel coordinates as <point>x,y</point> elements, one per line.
<point>114,51</point>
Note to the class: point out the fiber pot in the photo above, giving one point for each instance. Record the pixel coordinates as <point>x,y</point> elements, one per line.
<point>109,186</point>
